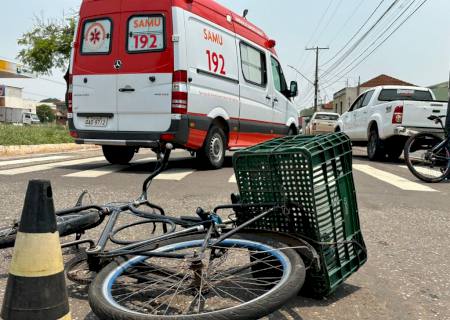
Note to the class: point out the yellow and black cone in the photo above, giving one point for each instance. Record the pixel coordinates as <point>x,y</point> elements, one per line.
<point>36,288</point>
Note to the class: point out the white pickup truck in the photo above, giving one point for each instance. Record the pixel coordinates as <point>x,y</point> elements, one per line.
<point>384,117</point>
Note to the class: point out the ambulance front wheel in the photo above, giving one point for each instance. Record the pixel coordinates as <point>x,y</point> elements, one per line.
<point>118,154</point>
<point>212,154</point>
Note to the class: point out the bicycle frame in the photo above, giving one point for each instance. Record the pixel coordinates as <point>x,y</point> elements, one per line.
<point>209,224</point>
<point>445,143</point>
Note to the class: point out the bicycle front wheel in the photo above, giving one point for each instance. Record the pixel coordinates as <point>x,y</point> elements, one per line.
<point>423,161</point>
<point>243,277</point>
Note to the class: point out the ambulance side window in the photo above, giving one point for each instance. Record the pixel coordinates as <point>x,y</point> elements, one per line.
<point>96,37</point>
<point>253,65</point>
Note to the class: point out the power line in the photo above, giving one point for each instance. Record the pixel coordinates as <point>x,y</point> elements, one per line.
<point>384,31</point>
<point>358,42</point>
<point>301,74</point>
<point>380,44</point>
<point>320,22</point>
<point>301,62</point>
<point>347,21</point>
<point>329,20</point>
<point>356,33</point>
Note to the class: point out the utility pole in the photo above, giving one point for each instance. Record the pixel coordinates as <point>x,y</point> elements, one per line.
<point>316,82</point>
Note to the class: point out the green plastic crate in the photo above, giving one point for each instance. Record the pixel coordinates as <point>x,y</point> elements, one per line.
<point>315,171</point>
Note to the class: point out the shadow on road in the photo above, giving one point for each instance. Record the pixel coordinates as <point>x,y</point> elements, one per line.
<point>291,311</point>
<point>175,163</point>
<point>77,291</point>
<point>91,316</point>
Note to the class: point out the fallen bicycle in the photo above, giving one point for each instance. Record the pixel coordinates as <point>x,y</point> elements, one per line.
<point>295,227</point>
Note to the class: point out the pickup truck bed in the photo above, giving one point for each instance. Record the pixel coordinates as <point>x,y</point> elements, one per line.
<point>384,117</point>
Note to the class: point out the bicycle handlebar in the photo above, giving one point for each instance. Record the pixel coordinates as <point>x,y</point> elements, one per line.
<point>162,166</point>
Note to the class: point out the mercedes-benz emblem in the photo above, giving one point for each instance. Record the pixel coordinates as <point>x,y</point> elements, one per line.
<point>117,64</point>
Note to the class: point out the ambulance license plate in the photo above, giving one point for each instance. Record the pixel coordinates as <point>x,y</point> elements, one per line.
<point>98,122</point>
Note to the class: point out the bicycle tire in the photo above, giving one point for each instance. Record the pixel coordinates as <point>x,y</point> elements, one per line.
<point>105,307</point>
<point>7,236</point>
<point>66,225</point>
<point>432,141</point>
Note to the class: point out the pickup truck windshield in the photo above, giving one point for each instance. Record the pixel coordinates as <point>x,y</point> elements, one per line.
<point>331,117</point>
<point>405,94</point>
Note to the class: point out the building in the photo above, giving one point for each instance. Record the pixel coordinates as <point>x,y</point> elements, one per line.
<point>440,91</point>
<point>11,97</point>
<point>343,99</point>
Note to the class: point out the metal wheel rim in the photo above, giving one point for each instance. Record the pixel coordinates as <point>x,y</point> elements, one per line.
<point>117,272</point>
<point>216,149</point>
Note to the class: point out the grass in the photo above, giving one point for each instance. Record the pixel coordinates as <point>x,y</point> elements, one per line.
<point>35,134</point>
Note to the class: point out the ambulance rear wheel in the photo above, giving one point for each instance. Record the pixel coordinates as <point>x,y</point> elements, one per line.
<point>118,154</point>
<point>212,154</point>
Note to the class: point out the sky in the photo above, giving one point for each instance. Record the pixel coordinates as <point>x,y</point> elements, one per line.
<point>418,52</point>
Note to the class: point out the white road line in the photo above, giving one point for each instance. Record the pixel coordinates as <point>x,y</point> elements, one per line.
<point>48,166</point>
<point>103,171</point>
<point>392,179</point>
<point>31,160</point>
<point>424,171</point>
<point>232,179</point>
<point>174,174</point>
<point>97,172</point>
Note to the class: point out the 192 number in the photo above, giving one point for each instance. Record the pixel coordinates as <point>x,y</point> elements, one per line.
<point>216,62</point>
<point>145,41</point>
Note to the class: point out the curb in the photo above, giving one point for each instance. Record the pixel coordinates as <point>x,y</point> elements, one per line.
<point>43,148</point>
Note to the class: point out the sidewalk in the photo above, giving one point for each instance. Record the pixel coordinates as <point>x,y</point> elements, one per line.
<point>6,151</point>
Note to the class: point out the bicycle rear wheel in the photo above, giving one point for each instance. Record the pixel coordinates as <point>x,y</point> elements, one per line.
<point>244,277</point>
<point>66,225</point>
<point>426,164</point>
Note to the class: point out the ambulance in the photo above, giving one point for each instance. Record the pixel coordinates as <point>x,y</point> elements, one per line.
<point>188,72</point>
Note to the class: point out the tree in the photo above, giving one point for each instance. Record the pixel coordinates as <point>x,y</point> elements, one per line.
<point>45,113</point>
<point>47,45</point>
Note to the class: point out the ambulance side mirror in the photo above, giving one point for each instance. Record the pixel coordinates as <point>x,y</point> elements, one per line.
<point>294,89</point>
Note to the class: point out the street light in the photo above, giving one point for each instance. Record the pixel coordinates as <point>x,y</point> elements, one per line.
<point>301,74</point>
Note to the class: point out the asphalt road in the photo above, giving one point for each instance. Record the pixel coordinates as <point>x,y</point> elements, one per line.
<point>405,225</point>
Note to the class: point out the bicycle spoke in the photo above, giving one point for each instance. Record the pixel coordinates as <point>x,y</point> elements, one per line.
<point>223,277</point>
<point>144,289</point>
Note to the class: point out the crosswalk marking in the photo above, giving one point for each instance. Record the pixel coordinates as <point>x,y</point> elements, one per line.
<point>97,172</point>
<point>31,160</point>
<point>102,171</point>
<point>425,171</point>
<point>174,174</point>
<point>48,166</point>
<point>392,179</point>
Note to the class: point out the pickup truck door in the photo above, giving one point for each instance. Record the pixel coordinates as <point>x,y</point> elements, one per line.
<point>362,115</point>
<point>349,118</point>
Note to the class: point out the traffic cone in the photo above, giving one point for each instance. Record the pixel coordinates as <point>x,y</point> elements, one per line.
<point>36,288</point>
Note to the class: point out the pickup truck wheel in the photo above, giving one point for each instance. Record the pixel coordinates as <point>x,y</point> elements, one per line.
<point>118,154</point>
<point>212,154</point>
<point>375,146</point>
